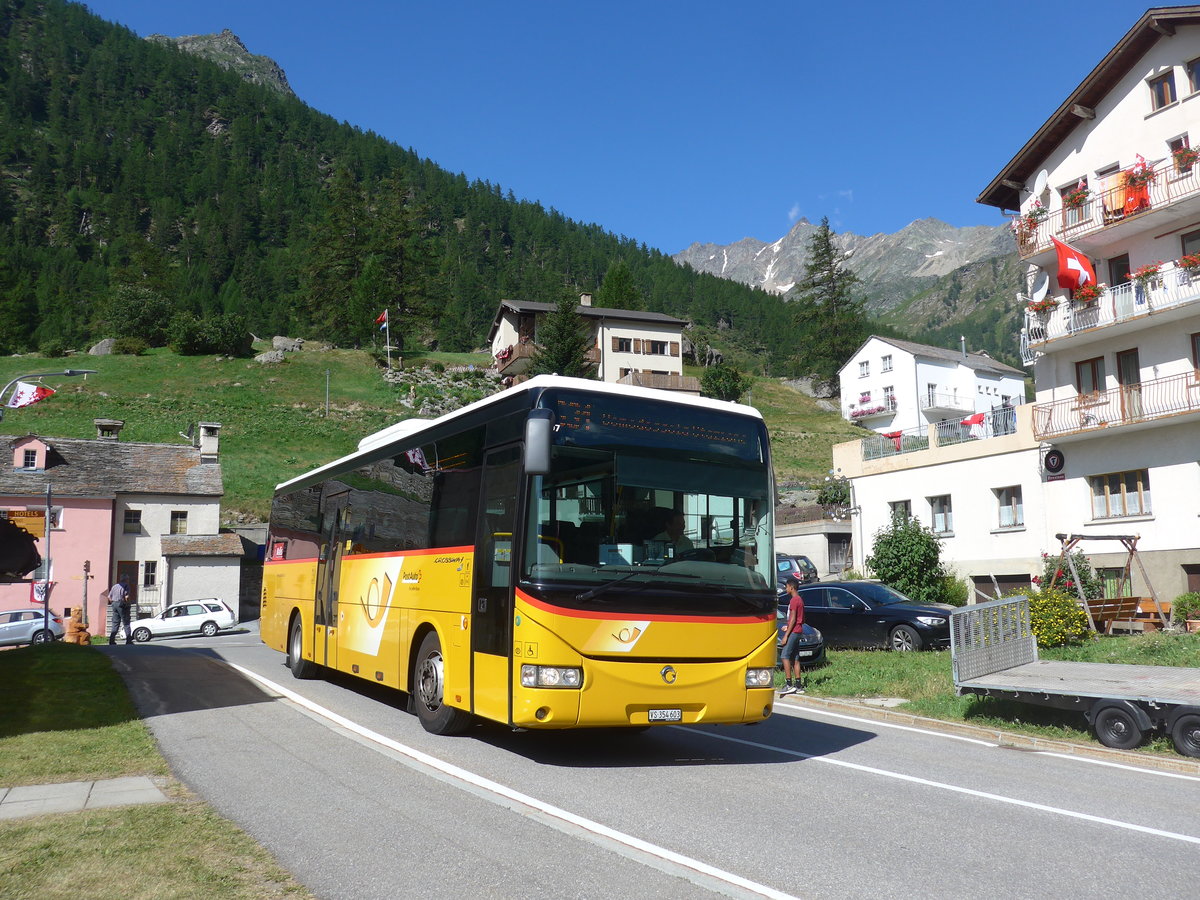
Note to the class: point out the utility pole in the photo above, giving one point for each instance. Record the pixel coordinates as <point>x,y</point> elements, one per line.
<point>327,393</point>
<point>87,568</point>
<point>46,594</point>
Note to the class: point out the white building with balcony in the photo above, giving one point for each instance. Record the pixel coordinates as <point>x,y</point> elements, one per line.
<point>628,346</point>
<point>1111,445</point>
<point>891,386</point>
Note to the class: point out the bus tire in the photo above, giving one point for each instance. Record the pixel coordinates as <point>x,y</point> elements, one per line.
<point>429,691</point>
<point>301,667</point>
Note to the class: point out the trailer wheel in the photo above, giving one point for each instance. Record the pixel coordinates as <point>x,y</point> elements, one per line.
<point>1186,734</point>
<point>1116,727</point>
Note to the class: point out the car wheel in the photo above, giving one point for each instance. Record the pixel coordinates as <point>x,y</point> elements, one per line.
<point>141,635</point>
<point>208,629</point>
<point>905,637</point>
<point>429,691</point>
<point>1117,728</point>
<point>301,667</point>
<point>41,636</point>
<point>1186,734</point>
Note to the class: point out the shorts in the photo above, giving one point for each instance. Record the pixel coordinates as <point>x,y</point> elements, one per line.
<point>791,650</point>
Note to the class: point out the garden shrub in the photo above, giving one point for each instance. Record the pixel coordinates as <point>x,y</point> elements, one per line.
<point>1056,618</point>
<point>53,348</point>
<point>907,556</point>
<point>1186,606</point>
<point>1055,568</point>
<point>955,591</point>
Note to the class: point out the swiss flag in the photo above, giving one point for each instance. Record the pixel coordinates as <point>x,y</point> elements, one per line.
<point>976,419</point>
<point>1074,269</point>
<point>382,320</point>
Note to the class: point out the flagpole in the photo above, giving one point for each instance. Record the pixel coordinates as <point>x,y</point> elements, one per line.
<point>387,337</point>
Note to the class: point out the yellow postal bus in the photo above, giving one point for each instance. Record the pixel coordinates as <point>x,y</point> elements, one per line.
<point>566,553</point>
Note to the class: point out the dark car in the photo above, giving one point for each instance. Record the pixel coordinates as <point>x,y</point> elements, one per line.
<point>793,565</point>
<point>812,643</point>
<point>871,614</point>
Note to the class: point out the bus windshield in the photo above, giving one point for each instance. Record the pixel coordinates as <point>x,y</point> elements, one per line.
<point>665,531</point>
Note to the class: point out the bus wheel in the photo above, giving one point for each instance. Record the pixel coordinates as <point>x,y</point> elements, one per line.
<point>429,691</point>
<point>301,667</point>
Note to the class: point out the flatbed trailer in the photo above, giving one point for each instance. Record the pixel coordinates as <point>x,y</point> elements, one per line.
<point>994,653</point>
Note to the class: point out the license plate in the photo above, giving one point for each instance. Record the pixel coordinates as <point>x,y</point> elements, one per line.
<point>666,715</point>
<point>806,653</point>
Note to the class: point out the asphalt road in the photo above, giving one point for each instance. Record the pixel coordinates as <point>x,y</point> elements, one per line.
<point>358,801</point>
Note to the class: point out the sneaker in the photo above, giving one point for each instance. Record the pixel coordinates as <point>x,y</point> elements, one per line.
<point>799,690</point>
<point>787,689</point>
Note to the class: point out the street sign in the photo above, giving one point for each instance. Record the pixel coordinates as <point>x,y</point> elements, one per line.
<point>31,520</point>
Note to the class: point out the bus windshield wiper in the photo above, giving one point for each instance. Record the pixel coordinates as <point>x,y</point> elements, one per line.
<point>653,573</point>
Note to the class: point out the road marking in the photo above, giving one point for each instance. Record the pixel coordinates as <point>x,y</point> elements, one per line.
<point>1116,765</point>
<point>799,711</point>
<point>479,783</point>
<point>899,776</point>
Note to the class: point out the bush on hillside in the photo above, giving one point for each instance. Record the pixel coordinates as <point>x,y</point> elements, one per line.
<point>130,346</point>
<point>226,335</point>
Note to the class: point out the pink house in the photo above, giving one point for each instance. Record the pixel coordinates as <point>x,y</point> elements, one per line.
<point>111,504</point>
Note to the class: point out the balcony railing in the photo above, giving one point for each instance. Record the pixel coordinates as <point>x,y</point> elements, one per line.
<point>933,401</point>
<point>514,359</point>
<point>1174,287</point>
<point>1116,201</point>
<point>687,383</point>
<point>1126,405</point>
<point>995,423</point>
<point>871,411</point>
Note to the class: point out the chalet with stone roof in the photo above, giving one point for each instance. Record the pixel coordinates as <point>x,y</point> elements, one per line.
<point>149,511</point>
<point>628,346</point>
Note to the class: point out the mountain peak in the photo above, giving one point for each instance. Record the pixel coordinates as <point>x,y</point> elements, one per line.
<point>227,51</point>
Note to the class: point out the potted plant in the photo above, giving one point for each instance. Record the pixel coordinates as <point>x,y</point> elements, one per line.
<point>1147,276</point>
<point>1088,293</point>
<point>1042,306</point>
<point>1190,263</point>
<point>1140,176</point>
<point>1185,611</point>
<point>1076,197</point>
<point>1185,158</point>
<point>1026,224</point>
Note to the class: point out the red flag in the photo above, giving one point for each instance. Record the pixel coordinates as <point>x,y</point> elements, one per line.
<point>1074,269</point>
<point>382,320</point>
<point>976,419</point>
<point>28,394</point>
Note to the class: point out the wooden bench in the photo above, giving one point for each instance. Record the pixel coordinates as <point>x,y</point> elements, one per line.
<point>1105,612</point>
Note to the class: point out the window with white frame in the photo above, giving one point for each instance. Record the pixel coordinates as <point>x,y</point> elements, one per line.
<point>133,521</point>
<point>901,510</point>
<point>656,348</point>
<point>179,521</point>
<point>864,368</point>
<point>889,397</point>
<point>942,517</point>
<point>1192,67</point>
<point>1008,502</point>
<point>1120,494</point>
<point>150,573</point>
<point>30,459</point>
<point>885,364</point>
<point>623,345</point>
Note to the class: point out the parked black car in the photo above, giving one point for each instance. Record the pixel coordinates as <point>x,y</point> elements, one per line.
<point>812,643</point>
<point>789,565</point>
<point>871,614</point>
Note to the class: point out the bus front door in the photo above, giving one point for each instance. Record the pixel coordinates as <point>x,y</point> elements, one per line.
<point>491,621</point>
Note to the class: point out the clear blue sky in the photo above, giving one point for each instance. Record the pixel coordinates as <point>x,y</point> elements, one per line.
<point>674,122</point>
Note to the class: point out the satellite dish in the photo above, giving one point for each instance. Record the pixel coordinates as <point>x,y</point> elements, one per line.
<point>1039,183</point>
<point>1041,286</point>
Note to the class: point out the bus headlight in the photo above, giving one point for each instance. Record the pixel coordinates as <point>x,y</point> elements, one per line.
<point>760,678</point>
<point>551,677</point>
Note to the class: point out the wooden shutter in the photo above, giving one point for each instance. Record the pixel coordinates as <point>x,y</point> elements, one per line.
<point>616,343</point>
<point>637,345</point>
<point>674,348</point>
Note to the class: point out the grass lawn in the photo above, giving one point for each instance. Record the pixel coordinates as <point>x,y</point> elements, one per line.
<point>68,717</point>
<point>925,680</point>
